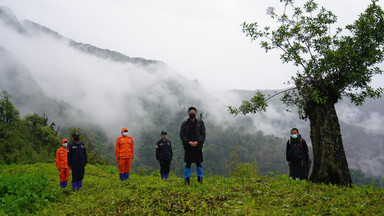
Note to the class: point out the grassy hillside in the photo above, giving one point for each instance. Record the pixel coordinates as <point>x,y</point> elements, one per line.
<point>34,188</point>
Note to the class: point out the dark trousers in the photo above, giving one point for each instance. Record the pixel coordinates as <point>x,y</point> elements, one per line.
<point>298,170</point>
<point>189,164</point>
<point>77,173</point>
<point>165,166</point>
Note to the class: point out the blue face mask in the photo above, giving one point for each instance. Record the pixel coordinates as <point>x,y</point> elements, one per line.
<point>294,136</point>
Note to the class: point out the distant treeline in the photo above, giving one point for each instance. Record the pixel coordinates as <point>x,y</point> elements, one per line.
<point>30,139</point>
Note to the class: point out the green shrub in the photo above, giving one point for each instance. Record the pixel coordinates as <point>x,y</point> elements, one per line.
<point>143,170</point>
<point>246,170</point>
<point>109,169</point>
<point>24,193</point>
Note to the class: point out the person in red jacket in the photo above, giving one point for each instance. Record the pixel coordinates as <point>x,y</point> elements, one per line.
<point>62,163</point>
<point>124,154</point>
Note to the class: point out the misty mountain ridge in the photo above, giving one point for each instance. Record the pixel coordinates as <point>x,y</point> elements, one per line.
<point>78,84</point>
<point>7,16</point>
<point>29,27</point>
<point>108,70</point>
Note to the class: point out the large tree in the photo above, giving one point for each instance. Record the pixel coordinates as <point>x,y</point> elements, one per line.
<point>332,63</point>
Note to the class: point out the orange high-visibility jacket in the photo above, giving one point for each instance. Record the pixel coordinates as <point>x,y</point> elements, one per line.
<point>61,158</point>
<point>124,147</point>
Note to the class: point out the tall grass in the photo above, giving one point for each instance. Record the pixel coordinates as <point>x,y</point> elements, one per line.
<point>25,193</point>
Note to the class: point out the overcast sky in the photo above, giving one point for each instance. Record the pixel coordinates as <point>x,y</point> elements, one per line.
<point>200,39</point>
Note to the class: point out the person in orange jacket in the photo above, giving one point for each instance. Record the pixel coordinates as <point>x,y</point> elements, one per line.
<point>62,163</point>
<point>124,154</point>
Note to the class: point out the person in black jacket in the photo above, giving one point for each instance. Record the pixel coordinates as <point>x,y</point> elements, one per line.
<point>77,160</point>
<point>192,135</point>
<point>164,154</point>
<point>297,156</point>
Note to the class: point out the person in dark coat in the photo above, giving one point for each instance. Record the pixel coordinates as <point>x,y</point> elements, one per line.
<point>164,154</point>
<point>77,160</point>
<point>297,156</point>
<point>192,135</point>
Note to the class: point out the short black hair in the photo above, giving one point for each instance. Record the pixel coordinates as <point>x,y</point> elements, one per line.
<point>192,108</point>
<point>295,130</point>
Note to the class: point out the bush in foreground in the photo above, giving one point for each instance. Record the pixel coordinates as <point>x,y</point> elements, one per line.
<point>24,193</point>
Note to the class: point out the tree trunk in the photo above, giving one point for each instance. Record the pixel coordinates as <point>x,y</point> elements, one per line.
<point>330,163</point>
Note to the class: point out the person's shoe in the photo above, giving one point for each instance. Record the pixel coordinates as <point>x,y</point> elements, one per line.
<point>200,179</point>
<point>199,171</point>
<point>162,175</point>
<point>166,176</point>
<point>74,186</point>
<point>187,181</point>
<point>65,184</point>
<point>122,176</point>
<point>126,175</point>
<point>79,184</point>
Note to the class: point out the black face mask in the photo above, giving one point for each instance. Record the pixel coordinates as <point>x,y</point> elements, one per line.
<point>76,139</point>
<point>192,116</point>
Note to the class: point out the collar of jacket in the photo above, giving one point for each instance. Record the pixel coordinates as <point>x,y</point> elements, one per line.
<point>190,120</point>
<point>79,143</point>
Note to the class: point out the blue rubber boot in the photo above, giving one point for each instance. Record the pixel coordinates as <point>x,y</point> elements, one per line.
<point>74,186</point>
<point>126,175</point>
<point>162,175</point>
<point>166,176</point>
<point>187,174</point>
<point>65,184</point>
<point>79,184</point>
<point>122,176</point>
<point>61,184</point>
<point>199,172</point>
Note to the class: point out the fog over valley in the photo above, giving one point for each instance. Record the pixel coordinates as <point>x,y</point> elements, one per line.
<point>77,84</point>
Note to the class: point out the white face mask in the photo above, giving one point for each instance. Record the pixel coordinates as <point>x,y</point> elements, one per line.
<point>125,133</point>
<point>65,144</point>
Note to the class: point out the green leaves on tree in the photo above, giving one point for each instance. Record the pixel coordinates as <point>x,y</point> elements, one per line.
<point>256,104</point>
<point>330,64</point>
